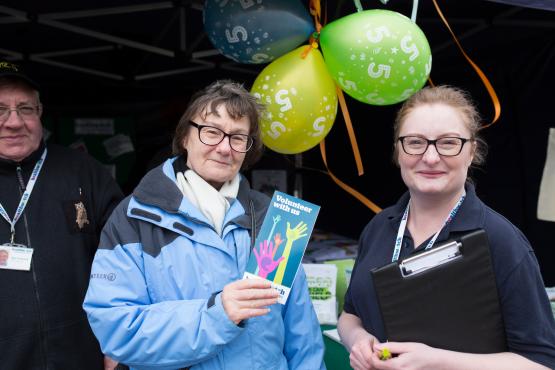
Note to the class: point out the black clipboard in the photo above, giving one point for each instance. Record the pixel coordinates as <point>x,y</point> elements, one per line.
<point>445,297</point>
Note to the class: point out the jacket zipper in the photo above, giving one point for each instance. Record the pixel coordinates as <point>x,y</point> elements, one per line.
<point>42,340</point>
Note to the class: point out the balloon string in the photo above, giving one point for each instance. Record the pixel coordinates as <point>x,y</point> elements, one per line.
<point>316,12</point>
<point>308,48</point>
<point>414,11</point>
<point>483,77</point>
<point>358,5</point>
<point>350,130</point>
<point>367,202</point>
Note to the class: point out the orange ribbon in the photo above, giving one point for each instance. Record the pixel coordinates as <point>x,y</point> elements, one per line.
<point>316,12</point>
<point>367,202</point>
<point>483,77</point>
<point>350,130</point>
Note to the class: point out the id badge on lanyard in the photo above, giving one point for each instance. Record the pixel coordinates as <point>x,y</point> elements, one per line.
<point>15,256</point>
<point>403,225</point>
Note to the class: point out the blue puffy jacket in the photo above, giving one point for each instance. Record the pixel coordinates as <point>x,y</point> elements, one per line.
<point>153,300</point>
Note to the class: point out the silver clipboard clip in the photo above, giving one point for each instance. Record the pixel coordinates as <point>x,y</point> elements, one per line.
<point>430,259</point>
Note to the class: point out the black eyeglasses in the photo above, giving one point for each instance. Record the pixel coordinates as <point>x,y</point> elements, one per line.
<point>212,136</point>
<point>445,146</point>
<point>23,111</point>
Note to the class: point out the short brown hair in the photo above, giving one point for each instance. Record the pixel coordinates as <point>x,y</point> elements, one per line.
<point>238,103</point>
<point>453,97</point>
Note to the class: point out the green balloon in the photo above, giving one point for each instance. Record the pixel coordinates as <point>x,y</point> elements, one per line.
<point>378,57</point>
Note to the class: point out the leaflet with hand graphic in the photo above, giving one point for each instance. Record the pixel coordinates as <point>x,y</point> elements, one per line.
<point>281,243</point>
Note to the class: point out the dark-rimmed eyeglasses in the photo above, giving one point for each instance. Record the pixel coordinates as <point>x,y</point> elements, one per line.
<point>212,136</point>
<point>23,111</point>
<point>445,146</point>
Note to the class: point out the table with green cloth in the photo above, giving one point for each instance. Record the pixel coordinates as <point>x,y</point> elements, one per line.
<point>336,356</point>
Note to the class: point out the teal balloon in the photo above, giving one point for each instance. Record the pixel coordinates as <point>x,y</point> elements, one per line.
<point>256,31</point>
<point>378,57</point>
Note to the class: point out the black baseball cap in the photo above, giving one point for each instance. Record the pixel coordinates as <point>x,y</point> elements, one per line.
<point>9,69</point>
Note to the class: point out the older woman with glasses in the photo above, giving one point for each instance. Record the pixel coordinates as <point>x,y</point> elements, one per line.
<point>436,142</point>
<point>166,289</point>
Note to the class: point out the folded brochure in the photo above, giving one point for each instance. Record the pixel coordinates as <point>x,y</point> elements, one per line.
<point>281,242</point>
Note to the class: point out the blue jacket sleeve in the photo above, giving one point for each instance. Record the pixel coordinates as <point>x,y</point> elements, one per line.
<point>134,330</point>
<point>304,346</point>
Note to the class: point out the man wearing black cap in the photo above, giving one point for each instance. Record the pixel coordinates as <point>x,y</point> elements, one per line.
<point>53,202</point>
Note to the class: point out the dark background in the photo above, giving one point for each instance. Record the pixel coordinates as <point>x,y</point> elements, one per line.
<point>112,64</point>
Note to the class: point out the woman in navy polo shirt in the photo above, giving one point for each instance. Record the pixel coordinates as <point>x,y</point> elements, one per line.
<point>436,141</point>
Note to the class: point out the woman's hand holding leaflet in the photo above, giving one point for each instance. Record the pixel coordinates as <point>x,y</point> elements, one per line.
<point>248,298</point>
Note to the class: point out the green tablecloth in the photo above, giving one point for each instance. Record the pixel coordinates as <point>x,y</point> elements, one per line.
<point>336,357</point>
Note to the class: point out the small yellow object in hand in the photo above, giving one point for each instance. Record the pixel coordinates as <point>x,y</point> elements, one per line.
<point>385,354</point>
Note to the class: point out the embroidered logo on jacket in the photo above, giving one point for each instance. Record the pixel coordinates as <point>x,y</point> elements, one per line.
<point>109,276</point>
<point>81,215</point>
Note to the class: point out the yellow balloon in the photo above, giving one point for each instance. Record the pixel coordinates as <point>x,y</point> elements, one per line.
<point>300,99</point>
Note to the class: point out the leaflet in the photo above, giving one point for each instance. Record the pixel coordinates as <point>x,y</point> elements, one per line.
<point>281,243</point>
<point>322,282</point>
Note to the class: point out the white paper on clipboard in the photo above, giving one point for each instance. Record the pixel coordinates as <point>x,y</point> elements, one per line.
<point>430,259</point>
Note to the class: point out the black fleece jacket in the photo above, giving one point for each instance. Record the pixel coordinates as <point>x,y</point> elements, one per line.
<point>42,324</point>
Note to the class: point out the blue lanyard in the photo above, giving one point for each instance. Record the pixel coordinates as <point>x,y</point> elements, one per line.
<point>403,226</point>
<point>24,198</point>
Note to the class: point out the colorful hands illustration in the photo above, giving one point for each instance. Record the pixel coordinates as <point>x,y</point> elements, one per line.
<point>298,232</point>
<point>277,242</point>
<point>265,259</point>
<point>276,219</point>
<point>292,234</point>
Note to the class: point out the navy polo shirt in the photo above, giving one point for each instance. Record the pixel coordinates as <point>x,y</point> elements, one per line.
<point>527,315</point>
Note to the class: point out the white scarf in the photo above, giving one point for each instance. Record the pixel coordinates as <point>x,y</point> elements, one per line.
<point>210,202</point>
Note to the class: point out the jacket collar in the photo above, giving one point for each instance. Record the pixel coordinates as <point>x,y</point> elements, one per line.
<point>158,188</point>
<point>243,195</point>
<point>470,216</point>
<point>29,161</point>
<point>255,205</point>
<point>472,213</point>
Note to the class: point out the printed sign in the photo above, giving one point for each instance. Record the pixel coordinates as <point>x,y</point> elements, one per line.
<point>94,126</point>
<point>322,281</point>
